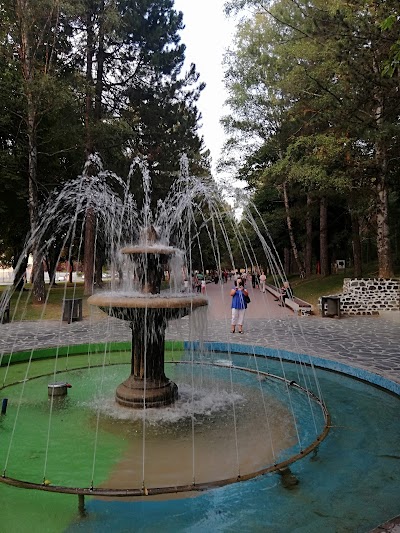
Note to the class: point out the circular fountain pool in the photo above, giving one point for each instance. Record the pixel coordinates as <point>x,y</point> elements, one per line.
<point>348,484</point>
<point>229,424</point>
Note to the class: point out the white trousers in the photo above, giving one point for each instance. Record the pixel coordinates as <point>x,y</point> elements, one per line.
<point>237,317</point>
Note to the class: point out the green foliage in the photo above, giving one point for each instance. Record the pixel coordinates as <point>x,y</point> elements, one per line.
<point>139,101</point>
<point>391,24</point>
<point>311,107</point>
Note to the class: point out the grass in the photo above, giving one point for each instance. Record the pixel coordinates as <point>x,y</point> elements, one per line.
<point>24,309</point>
<point>311,289</point>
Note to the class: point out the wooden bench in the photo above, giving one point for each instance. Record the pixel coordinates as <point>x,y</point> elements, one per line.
<point>295,304</point>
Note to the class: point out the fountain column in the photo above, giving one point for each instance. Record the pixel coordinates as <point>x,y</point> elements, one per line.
<point>148,313</point>
<point>148,384</point>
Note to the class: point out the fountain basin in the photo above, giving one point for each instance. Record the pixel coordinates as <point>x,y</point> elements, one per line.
<point>145,301</point>
<point>156,249</point>
<point>129,307</point>
<point>335,491</point>
<point>147,385</point>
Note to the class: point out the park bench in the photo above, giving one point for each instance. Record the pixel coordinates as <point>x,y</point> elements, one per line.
<point>297,305</point>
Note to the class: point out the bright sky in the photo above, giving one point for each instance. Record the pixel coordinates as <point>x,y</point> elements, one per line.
<point>207,35</point>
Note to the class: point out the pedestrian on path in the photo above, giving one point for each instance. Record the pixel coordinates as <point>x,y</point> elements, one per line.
<point>238,306</point>
<point>203,286</point>
<point>263,279</point>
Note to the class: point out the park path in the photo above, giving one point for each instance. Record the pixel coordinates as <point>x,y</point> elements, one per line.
<point>262,305</point>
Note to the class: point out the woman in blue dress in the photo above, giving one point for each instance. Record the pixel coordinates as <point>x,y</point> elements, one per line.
<point>238,306</point>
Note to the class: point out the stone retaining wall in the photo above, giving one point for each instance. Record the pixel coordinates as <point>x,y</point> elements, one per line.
<point>369,296</point>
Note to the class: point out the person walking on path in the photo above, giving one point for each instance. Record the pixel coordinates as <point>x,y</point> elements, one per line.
<point>263,279</point>
<point>203,286</point>
<point>239,306</point>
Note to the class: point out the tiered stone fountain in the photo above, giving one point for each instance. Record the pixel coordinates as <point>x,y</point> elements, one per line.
<point>148,313</point>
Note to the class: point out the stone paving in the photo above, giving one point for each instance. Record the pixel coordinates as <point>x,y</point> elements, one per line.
<point>370,343</point>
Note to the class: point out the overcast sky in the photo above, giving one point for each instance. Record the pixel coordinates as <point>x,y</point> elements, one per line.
<point>207,35</point>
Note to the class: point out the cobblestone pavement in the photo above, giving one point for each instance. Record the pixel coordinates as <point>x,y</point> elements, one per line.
<point>370,343</point>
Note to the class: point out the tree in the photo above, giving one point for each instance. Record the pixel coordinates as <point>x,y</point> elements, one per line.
<point>324,64</point>
<point>35,30</point>
<point>97,76</point>
<point>132,58</point>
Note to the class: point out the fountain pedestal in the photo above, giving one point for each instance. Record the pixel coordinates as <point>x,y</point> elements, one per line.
<point>147,384</point>
<point>148,314</point>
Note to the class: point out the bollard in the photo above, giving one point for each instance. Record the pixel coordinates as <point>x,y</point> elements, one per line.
<point>4,406</point>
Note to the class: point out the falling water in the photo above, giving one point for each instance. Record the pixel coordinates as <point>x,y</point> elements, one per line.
<point>199,232</point>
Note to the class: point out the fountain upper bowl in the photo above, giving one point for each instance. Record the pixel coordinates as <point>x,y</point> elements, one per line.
<point>156,249</point>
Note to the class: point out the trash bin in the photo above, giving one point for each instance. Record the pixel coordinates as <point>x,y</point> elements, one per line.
<point>330,306</point>
<point>72,310</point>
<point>5,316</point>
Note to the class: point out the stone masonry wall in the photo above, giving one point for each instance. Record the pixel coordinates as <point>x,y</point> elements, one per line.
<point>369,296</point>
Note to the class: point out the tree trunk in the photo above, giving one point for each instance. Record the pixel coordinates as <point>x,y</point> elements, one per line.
<point>286,260</point>
<point>385,267</point>
<point>356,242</point>
<point>38,290</point>
<point>90,221</point>
<point>70,271</point>
<point>98,95</point>
<point>308,258</point>
<point>100,67</point>
<point>88,258</point>
<point>323,236</point>
<point>100,253</point>
<point>51,270</point>
<point>290,229</point>
<point>20,265</point>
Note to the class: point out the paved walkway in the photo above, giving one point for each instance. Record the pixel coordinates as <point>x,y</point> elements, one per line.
<point>370,343</point>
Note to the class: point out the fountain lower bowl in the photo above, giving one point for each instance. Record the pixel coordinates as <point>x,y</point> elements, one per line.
<point>128,307</point>
<point>228,449</point>
<point>147,301</point>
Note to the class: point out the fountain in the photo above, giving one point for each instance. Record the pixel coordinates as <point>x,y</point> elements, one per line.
<point>213,393</point>
<point>243,411</point>
<point>147,386</point>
